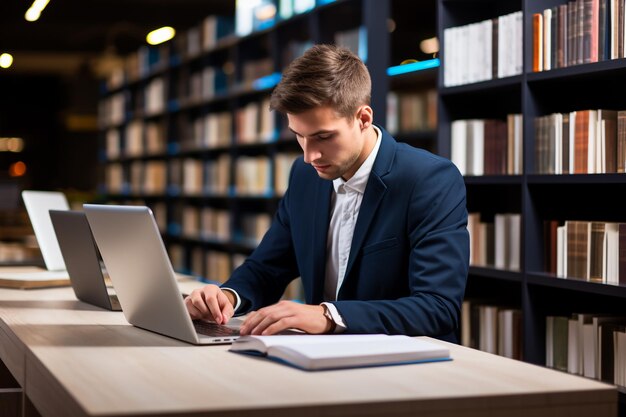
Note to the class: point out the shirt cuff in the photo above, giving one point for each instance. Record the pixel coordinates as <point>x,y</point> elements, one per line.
<point>237,298</point>
<point>340,325</point>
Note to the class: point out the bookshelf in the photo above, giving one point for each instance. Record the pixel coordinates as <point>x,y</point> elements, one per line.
<point>538,197</point>
<point>184,128</point>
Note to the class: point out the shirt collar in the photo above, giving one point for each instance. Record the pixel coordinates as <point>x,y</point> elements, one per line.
<point>358,181</point>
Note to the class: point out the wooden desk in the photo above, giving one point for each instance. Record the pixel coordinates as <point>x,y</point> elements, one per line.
<point>76,360</point>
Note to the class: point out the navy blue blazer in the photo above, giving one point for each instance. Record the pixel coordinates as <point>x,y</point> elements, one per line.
<point>409,258</point>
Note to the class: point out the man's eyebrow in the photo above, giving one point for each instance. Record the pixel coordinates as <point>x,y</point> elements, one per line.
<point>319,132</point>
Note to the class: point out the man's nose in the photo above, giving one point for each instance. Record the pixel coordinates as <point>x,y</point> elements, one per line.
<point>311,153</point>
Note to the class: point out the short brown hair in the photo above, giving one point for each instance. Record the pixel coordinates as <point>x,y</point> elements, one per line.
<point>324,75</point>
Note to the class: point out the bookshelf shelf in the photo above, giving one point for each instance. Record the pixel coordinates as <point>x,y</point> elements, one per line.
<point>494,180</point>
<point>578,72</point>
<point>410,79</point>
<point>498,84</point>
<point>420,138</point>
<point>500,274</point>
<point>582,179</point>
<point>587,287</point>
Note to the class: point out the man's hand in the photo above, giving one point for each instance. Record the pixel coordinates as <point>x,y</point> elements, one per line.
<point>286,315</point>
<point>210,303</point>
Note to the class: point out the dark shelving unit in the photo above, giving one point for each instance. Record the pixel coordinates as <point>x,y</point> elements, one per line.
<point>537,197</point>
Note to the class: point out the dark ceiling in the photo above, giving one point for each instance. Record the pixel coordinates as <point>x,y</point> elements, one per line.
<point>91,26</point>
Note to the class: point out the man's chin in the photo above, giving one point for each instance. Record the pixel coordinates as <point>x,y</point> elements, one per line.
<point>330,176</point>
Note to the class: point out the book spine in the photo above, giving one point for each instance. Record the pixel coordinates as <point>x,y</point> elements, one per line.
<point>537,42</point>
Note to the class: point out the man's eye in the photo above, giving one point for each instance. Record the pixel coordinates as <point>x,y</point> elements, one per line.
<point>324,137</point>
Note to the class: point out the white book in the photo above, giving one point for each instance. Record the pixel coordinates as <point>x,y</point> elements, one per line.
<point>572,138</point>
<point>448,53</point>
<point>547,38</point>
<point>561,255</point>
<point>487,65</point>
<point>583,320</point>
<point>611,251</point>
<point>502,45</point>
<point>518,34</point>
<point>316,352</point>
<point>600,155</point>
<point>557,125</point>
<point>488,330</point>
<point>514,222</point>
<point>477,165</point>
<point>591,143</point>
<point>519,154</point>
<point>458,145</point>
<point>508,333</point>
<point>500,243</point>
<point>589,351</point>
<point>572,347</point>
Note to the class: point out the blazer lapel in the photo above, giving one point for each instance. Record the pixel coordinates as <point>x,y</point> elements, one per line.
<point>320,233</point>
<point>374,193</point>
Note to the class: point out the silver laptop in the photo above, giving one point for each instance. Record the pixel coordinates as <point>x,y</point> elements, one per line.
<point>142,275</point>
<point>82,259</point>
<point>37,204</point>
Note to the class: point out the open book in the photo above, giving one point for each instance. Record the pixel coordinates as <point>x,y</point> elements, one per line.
<point>315,352</point>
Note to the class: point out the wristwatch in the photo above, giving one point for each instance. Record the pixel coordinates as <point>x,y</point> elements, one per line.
<point>329,317</point>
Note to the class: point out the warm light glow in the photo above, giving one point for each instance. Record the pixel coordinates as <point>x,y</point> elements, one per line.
<point>15,145</point>
<point>6,60</point>
<point>34,12</point>
<point>430,46</point>
<point>11,144</point>
<point>17,169</point>
<point>265,12</point>
<point>160,35</point>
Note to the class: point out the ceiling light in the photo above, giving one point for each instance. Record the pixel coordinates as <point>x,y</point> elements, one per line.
<point>6,60</point>
<point>160,35</point>
<point>34,11</point>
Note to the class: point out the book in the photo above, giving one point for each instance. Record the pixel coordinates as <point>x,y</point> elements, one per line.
<point>28,277</point>
<point>317,352</point>
<point>537,42</point>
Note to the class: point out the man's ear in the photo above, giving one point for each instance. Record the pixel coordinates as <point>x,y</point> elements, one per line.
<point>366,117</point>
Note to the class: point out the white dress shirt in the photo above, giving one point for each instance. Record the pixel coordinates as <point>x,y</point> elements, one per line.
<point>345,205</point>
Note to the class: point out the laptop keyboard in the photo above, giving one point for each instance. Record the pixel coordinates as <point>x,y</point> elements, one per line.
<point>213,329</point>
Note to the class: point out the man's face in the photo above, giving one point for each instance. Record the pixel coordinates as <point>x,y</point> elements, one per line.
<point>334,145</point>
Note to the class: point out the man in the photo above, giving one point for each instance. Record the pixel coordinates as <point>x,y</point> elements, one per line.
<point>377,230</point>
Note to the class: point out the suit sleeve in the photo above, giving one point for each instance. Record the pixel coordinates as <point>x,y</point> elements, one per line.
<point>438,264</point>
<point>262,279</point>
